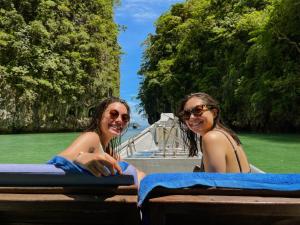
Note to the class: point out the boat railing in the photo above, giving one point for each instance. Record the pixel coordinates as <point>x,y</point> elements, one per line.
<point>160,143</point>
<point>163,138</point>
<point>169,139</point>
<point>142,141</point>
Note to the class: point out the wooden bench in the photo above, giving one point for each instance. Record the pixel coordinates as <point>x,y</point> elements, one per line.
<point>219,206</point>
<point>69,205</point>
<point>43,194</point>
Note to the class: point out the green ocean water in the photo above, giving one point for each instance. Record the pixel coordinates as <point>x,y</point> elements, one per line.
<point>276,153</point>
<point>39,147</point>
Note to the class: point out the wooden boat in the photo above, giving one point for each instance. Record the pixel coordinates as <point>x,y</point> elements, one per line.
<point>27,199</point>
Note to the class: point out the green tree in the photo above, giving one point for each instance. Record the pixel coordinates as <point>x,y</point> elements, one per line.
<point>59,59</point>
<point>244,53</point>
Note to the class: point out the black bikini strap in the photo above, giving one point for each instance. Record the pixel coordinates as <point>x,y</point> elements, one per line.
<point>234,149</point>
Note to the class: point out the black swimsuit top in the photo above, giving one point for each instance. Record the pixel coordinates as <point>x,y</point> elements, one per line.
<point>202,169</point>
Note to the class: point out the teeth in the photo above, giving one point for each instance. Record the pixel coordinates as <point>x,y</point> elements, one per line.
<point>196,124</point>
<point>116,127</point>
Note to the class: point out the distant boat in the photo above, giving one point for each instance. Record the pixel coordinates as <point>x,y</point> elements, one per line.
<point>135,125</point>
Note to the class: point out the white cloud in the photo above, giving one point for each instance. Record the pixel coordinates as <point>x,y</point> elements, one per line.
<point>150,1</point>
<point>143,10</point>
<point>145,15</point>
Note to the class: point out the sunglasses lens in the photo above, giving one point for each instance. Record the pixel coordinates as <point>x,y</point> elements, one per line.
<point>198,110</point>
<point>186,115</point>
<point>114,114</point>
<point>125,118</point>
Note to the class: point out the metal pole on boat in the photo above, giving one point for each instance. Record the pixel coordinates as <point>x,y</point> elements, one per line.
<point>164,142</point>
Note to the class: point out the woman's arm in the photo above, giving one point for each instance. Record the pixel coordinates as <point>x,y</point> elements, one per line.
<point>86,151</point>
<point>87,142</point>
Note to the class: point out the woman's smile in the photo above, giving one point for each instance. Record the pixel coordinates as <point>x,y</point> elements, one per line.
<point>195,124</point>
<point>116,128</point>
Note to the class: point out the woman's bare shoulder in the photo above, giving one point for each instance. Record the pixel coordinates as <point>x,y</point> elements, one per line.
<point>90,136</point>
<point>213,136</point>
<point>83,143</point>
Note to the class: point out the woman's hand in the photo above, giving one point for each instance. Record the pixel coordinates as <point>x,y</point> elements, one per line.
<point>98,164</point>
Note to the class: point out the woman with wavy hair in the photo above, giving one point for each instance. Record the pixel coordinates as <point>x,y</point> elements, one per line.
<point>95,150</point>
<point>199,118</point>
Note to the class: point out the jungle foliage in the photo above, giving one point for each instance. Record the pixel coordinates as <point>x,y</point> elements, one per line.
<point>244,53</point>
<point>58,58</point>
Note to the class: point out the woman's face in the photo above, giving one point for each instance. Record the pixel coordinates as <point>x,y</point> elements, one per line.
<point>197,116</point>
<point>114,119</point>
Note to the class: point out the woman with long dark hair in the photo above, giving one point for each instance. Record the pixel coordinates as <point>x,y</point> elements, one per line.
<point>95,150</point>
<point>200,122</point>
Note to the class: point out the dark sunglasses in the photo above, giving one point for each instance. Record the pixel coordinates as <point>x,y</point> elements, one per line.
<point>114,114</point>
<point>198,110</point>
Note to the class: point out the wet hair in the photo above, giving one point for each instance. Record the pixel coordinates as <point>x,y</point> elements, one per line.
<point>115,142</point>
<point>189,137</point>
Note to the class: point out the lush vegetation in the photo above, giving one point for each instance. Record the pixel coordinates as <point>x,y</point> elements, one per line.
<point>57,59</point>
<point>244,53</point>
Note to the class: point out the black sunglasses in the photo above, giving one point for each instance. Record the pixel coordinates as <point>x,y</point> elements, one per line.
<point>198,110</point>
<point>114,114</point>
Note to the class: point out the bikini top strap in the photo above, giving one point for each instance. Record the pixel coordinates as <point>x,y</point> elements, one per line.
<point>202,169</point>
<point>234,149</point>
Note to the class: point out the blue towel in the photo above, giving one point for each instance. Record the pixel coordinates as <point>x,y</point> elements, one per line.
<point>70,167</point>
<point>278,182</point>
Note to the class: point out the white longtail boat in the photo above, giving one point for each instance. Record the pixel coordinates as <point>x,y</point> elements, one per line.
<point>51,197</point>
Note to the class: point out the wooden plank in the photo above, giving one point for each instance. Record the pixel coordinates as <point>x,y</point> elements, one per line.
<point>83,214</point>
<point>216,209</point>
<point>160,191</point>
<point>221,199</point>
<point>43,178</point>
<point>129,190</point>
<point>106,207</point>
<point>4,198</point>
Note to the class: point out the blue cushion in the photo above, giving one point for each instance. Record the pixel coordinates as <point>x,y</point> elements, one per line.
<point>277,182</point>
<point>30,169</point>
<point>36,175</point>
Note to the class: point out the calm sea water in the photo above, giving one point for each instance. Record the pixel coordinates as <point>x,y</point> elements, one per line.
<point>39,148</point>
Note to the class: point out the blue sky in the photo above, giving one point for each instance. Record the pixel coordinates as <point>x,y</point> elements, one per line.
<point>139,17</point>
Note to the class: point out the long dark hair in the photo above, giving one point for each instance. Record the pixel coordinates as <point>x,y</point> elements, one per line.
<point>112,147</point>
<point>189,137</point>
